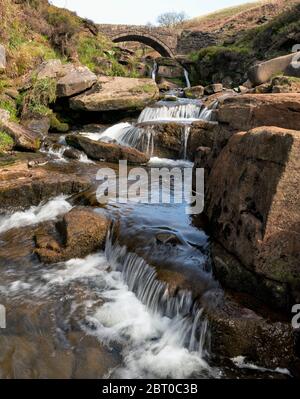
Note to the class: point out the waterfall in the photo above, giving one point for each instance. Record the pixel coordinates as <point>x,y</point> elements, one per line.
<point>187,79</point>
<point>154,70</point>
<point>143,137</point>
<point>169,113</point>
<point>186,134</point>
<point>206,113</point>
<point>142,280</point>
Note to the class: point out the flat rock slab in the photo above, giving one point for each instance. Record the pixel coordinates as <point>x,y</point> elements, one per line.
<point>117,93</point>
<point>108,152</point>
<point>253,110</point>
<point>22,187</point>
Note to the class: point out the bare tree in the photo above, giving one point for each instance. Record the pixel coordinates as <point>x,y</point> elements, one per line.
<point>171,19</point>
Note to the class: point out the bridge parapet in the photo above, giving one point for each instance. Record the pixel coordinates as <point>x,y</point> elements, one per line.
<point>162,40</point>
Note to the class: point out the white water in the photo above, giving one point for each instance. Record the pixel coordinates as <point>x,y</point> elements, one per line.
<point>156,337</point>
<point>186,135</point>
<point>155,161</point>
<point>187,79</point>
<point>240,362</point>
<point>36,214</point>
<point>58,154</point>
<point>206,113</point>
<point>154,71</point>
<point>142,137</point>
<point>178,112</point>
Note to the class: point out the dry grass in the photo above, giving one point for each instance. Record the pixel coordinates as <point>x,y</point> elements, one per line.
<point>238,16</point>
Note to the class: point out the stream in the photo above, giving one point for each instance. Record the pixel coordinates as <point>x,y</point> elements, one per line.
<point>109,315</point>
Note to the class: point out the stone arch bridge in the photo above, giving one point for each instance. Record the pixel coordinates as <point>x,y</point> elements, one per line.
<point>163,40</point>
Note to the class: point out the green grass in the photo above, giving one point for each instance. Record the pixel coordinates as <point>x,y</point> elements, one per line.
<point>6,142</point>
<point>37,99</point>
<point>210,53</point>
<point>10,106</point>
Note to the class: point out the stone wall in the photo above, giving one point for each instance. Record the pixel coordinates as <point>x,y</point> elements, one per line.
<point>190,41</point>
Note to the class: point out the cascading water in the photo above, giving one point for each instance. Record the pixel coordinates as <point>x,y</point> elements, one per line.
<point>141,135</point>
<point>187,78</point>
<point>186,134</point>
<point>154,70</point>
<point>177,112</point>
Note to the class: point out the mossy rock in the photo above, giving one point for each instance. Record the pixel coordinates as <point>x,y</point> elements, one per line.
<point>57,125</point>
<point>6,142</point>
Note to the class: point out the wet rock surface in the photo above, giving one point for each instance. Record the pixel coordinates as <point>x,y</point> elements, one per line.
<point>238,331</point>
<point>21,186</point>
<point>108,152</point>
<point>80,233</point>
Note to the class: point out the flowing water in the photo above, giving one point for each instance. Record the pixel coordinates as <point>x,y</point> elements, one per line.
<point>187,78</point>
<point>117,313</point>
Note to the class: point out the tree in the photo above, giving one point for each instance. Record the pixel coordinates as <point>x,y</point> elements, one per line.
<point>171,19</point>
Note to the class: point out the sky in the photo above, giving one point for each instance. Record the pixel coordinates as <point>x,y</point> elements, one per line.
<point>140,12</point>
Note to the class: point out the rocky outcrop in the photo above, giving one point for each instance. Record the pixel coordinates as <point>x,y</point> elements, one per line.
<point>194,92</point>
<point>24,139</point>
<point>108,152</point>
<point>202,134</point>
<point>71,79</point>
<point>263,72</point>
<point>40,126</point>
<point>236,330</point>
<point>2,58</point>
<point>75,79</point>
<point>248,111</point>
<point>115,93</point>
<point>252,203</point>
<point>81,232</point>
<point>213,88</point>
<point>21,187</point>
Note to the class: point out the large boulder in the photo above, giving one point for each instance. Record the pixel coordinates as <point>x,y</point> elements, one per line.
<point>81,232</point>
<point>252,110</point>
<point>202,134</point>
<point>253,206</point>
<point>236,330</point>
<point>116,93</point>
<point>71,79</point>
<point>194,92</point>
<point>75,79</point>
<point>109,152</point>
<point>263,72</point>
<point>24,139</point>
<point>2,58</point>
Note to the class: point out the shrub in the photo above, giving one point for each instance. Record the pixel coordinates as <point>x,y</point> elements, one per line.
<point>6,142</point>
<point>39,96</point>
<point>10,106</point>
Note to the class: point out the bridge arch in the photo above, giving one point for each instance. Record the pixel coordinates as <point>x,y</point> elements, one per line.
<point>146,39</point>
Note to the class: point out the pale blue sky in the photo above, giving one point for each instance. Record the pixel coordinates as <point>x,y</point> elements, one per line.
<point>140,11</point>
